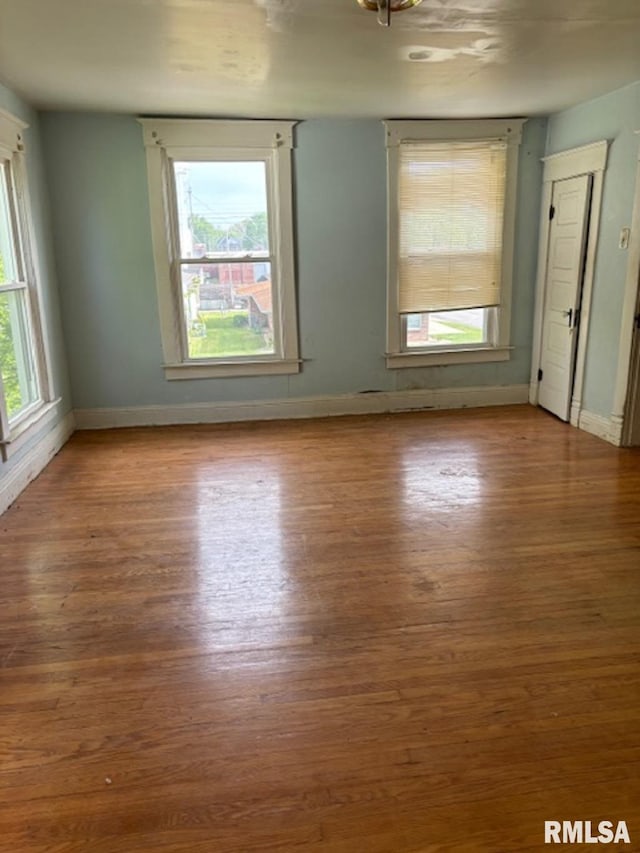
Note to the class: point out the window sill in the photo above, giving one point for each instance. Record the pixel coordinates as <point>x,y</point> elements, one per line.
<point>229,369</point>
<point>27,428</point>
<point>431,358</point>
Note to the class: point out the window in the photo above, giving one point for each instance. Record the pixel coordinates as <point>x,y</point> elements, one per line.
<point>23,377</point>
<point>451,223</point>
<point>221,209</point>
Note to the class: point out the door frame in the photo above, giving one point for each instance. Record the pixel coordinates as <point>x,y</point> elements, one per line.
<point>585,160</point>
<point>632,404</point>
<point>627,391</point>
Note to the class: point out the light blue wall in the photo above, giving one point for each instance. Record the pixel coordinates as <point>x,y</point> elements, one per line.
<point>97,174</point>
<point>44,248</point>
<point>615,117</point>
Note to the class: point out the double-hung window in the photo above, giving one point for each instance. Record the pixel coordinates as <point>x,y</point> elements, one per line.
<point>222,224</point>
<point>24,384</point>
<point>452,190</point>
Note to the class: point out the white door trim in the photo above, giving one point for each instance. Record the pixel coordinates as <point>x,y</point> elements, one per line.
<point>623,401</point>
<point>586,160</point>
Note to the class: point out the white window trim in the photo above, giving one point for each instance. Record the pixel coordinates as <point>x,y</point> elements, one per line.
<point>36,419</point>
<point>16,434</point>
<point>271,141</point>
<point>510,130</point>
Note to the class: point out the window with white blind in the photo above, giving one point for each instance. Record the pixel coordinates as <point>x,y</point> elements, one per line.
<point>24,383</point>
<point>451,223</point>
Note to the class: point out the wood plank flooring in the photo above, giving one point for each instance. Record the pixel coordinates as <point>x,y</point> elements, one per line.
<point>375,634</point>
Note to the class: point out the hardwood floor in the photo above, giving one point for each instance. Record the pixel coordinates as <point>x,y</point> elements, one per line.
<point>358,635</point>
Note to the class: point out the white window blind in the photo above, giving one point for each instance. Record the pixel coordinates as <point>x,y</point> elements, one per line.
<point>451,213</point>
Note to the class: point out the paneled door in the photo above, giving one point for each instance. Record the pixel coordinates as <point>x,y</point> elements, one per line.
<point>569,216</point>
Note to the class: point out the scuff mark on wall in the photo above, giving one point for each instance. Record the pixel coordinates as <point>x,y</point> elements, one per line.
<point>484,50</point>
<point>278,13</point>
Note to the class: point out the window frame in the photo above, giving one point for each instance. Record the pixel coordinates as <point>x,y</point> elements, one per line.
<point>15,432</point>
<point>490,328</point>
<point>213,140</point>
<point>498,346</point>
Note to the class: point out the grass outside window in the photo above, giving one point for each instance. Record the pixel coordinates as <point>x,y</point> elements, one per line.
<point>225,333</point>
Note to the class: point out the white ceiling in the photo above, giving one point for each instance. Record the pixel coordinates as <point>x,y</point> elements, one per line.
<point>305,58</point>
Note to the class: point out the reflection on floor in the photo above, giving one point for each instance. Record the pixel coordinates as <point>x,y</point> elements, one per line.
<point>385,634</point>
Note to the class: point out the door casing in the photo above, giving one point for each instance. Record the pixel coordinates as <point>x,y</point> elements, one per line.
<point>625,417</point>
<point>585,160</point>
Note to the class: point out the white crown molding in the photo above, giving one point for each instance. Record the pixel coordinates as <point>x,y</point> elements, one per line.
<point>11,130</point>
<point>584,160</point>
<point>217,133</point>
<point>413,130</point>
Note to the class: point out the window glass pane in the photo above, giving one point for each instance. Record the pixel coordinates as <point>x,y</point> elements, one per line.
<point>16,358</point>
<point>222,208</point>
<point>446,328</point>
<point>228,309</point>
<point>8,266</point>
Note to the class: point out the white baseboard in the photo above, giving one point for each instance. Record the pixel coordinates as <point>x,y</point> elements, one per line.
<point>601,427</point>
<point>617,429</point>
<point>377,402</point>
<point>34,461</point>
<point>576,410</point>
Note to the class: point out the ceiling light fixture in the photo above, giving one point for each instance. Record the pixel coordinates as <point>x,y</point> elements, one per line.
<point>385,8</point>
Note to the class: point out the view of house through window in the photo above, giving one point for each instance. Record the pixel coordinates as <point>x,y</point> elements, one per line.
<point>17,362</point>
<point>447,328</point>
<point>225,258</point>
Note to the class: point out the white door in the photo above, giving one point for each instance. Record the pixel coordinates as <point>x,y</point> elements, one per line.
<point>563,288</point>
